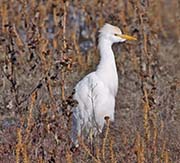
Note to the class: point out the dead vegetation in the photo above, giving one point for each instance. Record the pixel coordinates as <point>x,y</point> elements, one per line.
<point>47,46</point>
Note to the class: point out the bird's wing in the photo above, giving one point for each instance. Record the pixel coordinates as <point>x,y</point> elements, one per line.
<point>94,100</point>
<point>94,103</point>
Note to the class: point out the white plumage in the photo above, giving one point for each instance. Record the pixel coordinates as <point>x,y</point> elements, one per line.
<point>96,92</point>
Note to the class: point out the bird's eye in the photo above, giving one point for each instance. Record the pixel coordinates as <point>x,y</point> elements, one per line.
<point>115,34</point>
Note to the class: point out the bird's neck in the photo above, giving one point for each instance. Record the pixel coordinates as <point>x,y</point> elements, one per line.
<point>106,69</point>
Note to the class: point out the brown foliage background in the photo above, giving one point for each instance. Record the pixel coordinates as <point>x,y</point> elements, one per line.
<point>47,46</point>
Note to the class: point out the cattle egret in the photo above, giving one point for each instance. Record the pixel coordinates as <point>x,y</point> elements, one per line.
<point>96,92</point>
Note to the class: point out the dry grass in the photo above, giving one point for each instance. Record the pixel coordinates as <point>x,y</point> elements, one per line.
<point>47,46</point>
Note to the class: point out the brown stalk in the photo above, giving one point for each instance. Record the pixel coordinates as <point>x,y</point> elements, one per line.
<point>69,158</point>
<point>55,16</point>
<point>64,49</point>
<point>43,43</point>
<point>140,149</point>
<point>76,47</point>
<point>17,38</point>
<point>112,155</point>
<point>97,152</point>
<point>25,154</point>
<point>30,116</point>
<point>146,115</point>
<point>19,145</point>
<point>4,16</point>
<point>88,151</point>
<point>155,135</point>
<point>164,154</point>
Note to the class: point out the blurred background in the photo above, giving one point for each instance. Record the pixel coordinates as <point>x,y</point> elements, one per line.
<point>47,46</point>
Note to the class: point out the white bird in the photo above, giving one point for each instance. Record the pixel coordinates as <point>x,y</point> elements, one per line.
<point>96,92</point>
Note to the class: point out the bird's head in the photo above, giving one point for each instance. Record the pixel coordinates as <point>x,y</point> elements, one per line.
<point>114,34</point>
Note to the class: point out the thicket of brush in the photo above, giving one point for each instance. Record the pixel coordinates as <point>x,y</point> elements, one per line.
<point>47,46</point>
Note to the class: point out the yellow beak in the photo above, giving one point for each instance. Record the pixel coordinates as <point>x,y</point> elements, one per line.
<point>127,37</point>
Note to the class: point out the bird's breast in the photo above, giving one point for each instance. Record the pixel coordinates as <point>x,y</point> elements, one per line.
<point>110,78</point>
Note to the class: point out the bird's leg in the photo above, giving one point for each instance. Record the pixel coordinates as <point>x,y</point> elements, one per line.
<point>107,119</point>
<point>91,138</point>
